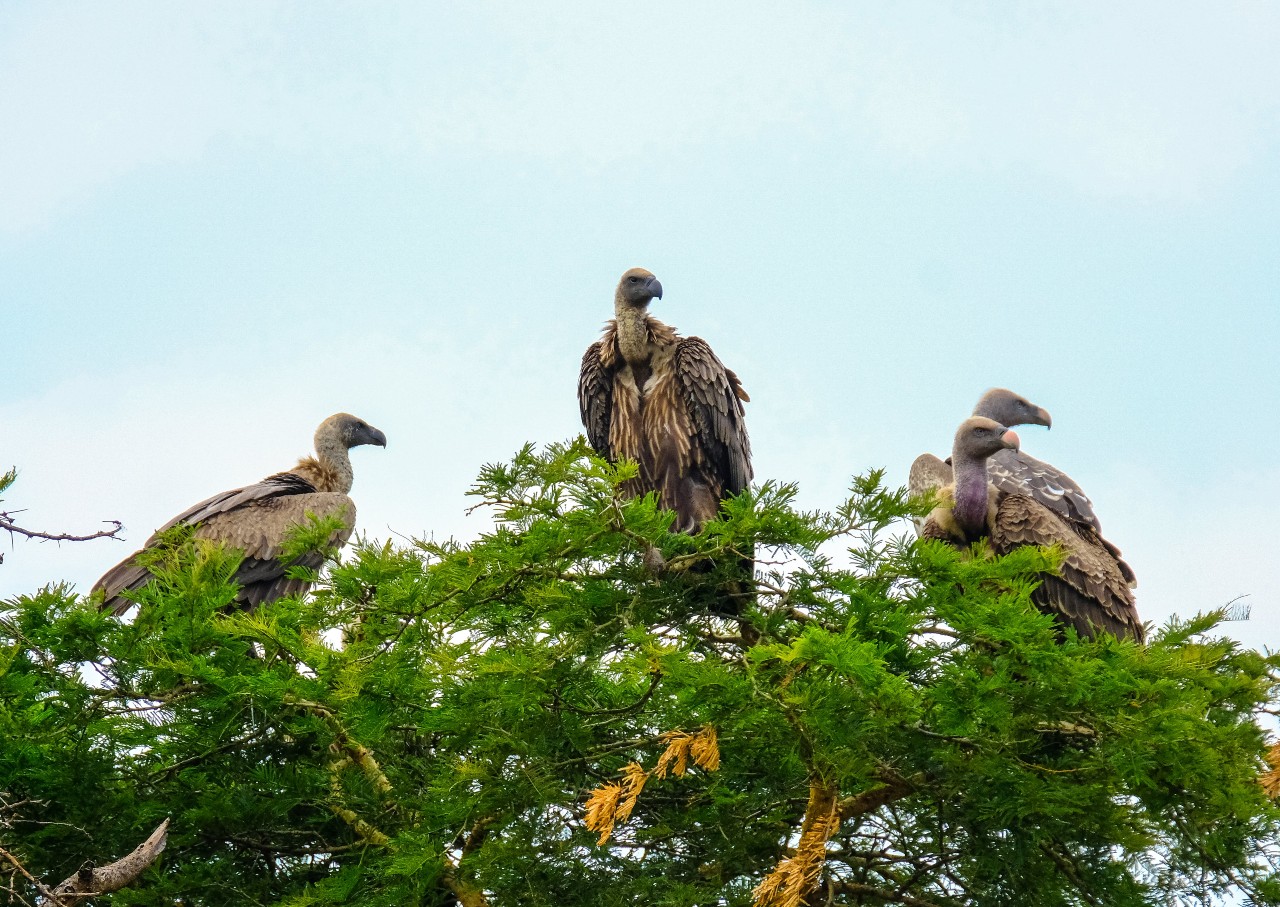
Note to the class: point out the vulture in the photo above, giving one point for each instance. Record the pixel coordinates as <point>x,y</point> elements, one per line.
<point>256,519</point>
<point>1093,591</point>
<point>668,403</point>
<point>1013,470</point>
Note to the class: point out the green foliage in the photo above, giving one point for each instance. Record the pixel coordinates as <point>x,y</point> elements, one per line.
<point>430,724</point>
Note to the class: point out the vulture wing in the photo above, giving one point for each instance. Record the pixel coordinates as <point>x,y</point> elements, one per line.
<point>595,398</point>
<point>259,529</point>
<point>928,473</point>
<point>1013,472</point>
<point>1093,592</point>
<point>255,519</point>
<point>714,397</point>
<point>278,485</point>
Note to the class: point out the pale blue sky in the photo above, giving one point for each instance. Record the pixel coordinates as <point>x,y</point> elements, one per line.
<point>221,222</point>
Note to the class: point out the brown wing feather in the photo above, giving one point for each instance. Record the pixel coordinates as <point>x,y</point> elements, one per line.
<point>673,462</point>
<point>254,519</point>
<point>260,529</point>
<point>281,484</point>
<point>127,576</point>
<point>713,396</point>
<point>1092,592</point>
<point>928,474</point>
<point>1015,472</point>
<point>931,528</point>
<point>595,398</point>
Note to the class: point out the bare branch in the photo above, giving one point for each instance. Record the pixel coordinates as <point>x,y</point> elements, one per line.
<point>13,861</point>
<point>92,881</point>
<point>889,897</point>
<point>8,525</point>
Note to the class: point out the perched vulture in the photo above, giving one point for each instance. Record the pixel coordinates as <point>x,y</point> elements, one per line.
<point>257,518</point>
<point>1093,591</point>
<point>1015,472</point>
<point>667,403</point>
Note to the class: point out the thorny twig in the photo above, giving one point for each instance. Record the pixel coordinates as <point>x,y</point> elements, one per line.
<point>8,525</point>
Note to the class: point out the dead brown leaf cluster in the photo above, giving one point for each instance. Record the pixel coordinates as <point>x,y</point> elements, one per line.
<point>796,876</point>
<point>612,803</point>
<point>1270,779</point>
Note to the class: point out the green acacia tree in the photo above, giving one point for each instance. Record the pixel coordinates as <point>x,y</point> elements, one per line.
<point>538,718</point>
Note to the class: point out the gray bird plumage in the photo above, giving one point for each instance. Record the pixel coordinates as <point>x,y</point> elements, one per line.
<point>257,518</point>
<point>1093,590</point>
<point>1013,470</point>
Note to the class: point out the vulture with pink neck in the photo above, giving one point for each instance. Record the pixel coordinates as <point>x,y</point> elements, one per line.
<point>257,519</point>
<point>1016,472</point>
<point>666,402</point>
<point>1092,592</point>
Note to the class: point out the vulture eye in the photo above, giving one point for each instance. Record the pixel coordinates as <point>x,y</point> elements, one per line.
<point>635,279</point>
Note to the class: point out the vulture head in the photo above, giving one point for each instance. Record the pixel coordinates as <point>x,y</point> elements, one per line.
<point>347,431</point>
<point>638,288</point>
<point>979,437</point>
<point>1008,408</point>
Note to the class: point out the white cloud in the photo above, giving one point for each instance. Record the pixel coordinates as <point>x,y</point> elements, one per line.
<point>1143,100</point>
<point>1162,101</point>
<point>89,93</point>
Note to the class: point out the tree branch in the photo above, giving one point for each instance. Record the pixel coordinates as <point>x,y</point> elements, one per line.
<point>8,525</point>
<point>355,752</point>
<point>13,861</point>
<point>89,881</point>
<point>889,897</point>
<point>871,800</point>
<point>1069,870</point>
<point>466,895</point>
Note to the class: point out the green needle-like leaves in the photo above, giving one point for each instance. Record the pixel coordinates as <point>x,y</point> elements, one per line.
<point>551,715</point>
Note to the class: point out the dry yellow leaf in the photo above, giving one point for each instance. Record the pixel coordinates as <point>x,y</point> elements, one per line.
<point>612,803</point>
<point>1270,779</point>
<point>795,876</point>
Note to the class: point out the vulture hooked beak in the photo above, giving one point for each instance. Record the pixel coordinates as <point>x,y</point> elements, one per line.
<point>1010,439</point>
<point>653,288</point>
<point>1043,417</point>
<point>369,435</point>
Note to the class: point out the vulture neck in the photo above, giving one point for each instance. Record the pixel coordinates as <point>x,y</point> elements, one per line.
<point>970,508</point>
<point>330,469</point>
<point>633,333</point>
